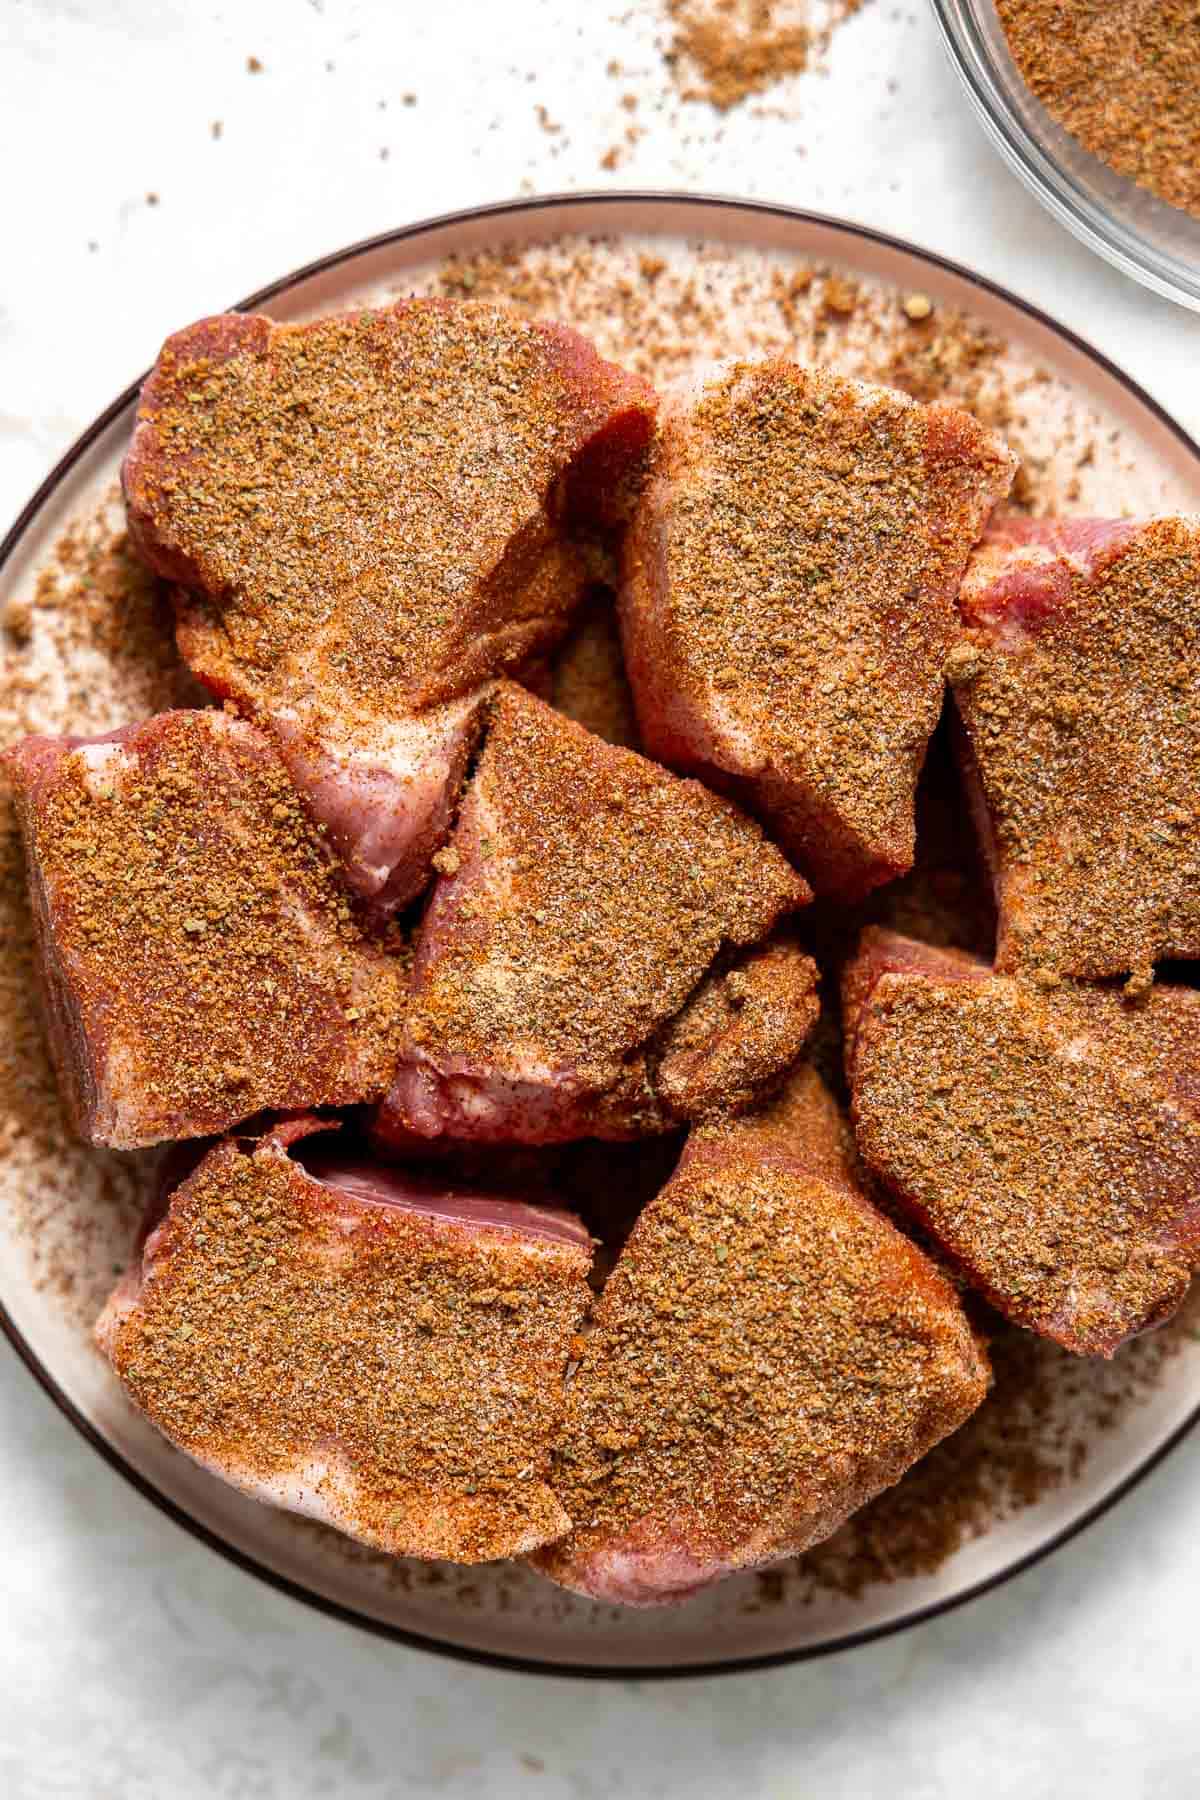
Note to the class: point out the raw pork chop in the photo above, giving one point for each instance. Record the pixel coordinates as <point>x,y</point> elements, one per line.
<point>1078,687</point>
<point>199,955</point>
<point>788,602</point>
<point>369,516</point>
<point>585,896</point>
<point>382,1353</point>
<point>768,1354</point>
<point>1047,1138</point>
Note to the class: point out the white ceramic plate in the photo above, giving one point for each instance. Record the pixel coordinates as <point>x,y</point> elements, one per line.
<point>58,1244</point>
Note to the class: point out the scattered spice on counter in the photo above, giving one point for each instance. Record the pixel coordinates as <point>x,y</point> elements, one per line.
<point>730,49</point>
<point>723,54</point>
<point>1123,80</point>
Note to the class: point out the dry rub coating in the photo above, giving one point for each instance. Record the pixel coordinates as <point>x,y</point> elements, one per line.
<point>584,897</point>
<point>1077,682</point>
<point>382,1353</point>
<point>1048,1138</point>
<point>369,515</point>
<point>767,1355</point>
<point>788,602</point>
<point>200,955</point>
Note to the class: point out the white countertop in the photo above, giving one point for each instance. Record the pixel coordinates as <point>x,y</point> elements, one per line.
<point>133,1662</point>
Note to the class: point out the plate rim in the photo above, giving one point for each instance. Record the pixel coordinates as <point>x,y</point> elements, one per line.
<point>614,198</point>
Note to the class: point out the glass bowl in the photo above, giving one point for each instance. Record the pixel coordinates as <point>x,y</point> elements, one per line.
<point>1156,243</point>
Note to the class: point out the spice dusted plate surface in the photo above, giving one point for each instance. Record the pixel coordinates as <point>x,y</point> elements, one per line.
<point>1100,121</point>
<point>663,287</point>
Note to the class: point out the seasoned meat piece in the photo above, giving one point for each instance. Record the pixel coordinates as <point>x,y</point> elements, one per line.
<point>741,1029</point>
<point>946,897</point>
<point>369,516</point>
<point>585,895</point>
<point>200,959</point>
<point>767,1355</point>
<point>383,1353</point>
<point>1077,682</point>
<point>882,952</point>
<point>587,680</point>
<point>788,602</point>
<point>385,790</point>
<point>1047,1138</point>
